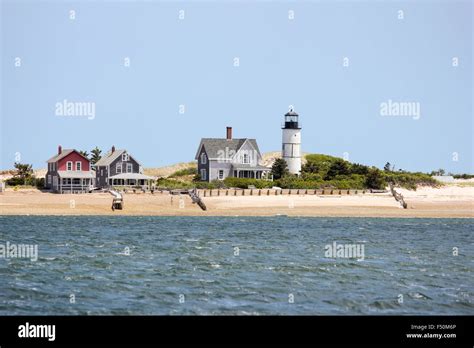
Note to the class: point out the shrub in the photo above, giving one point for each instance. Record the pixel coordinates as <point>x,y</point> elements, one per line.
<point>410,180</point>
<point>245,183</point>
<point>375,179</point>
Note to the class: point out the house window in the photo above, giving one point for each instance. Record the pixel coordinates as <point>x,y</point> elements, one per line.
<point>245,158</point>
<point>118,168</point>
<point>203,158</point>
<point>78,166</point>
<point>49,179</point>
<point>203,174</point>
<point>129,168</point>
<point>54,166</point>
<point>69,165</point>
<point>101,172</point>
<point>125,157</point>
<point>221,174</point>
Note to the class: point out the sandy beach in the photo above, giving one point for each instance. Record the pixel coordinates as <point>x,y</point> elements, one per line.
<point>446,202</point>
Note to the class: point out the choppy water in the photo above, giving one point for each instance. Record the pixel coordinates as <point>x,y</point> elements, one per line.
<point>190,265</point>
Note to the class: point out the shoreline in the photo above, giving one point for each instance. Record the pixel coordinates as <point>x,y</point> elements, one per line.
<point>446,202</point>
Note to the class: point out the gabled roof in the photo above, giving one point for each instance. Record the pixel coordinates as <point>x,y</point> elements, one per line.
<point>110,156</point>
<point>63,154</point>
<point>214,145</point>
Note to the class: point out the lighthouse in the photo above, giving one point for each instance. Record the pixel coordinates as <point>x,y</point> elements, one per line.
<point>291,142</point>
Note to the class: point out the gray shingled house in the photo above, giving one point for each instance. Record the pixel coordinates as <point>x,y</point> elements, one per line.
<point>119,168</point>
<point>219,158</point>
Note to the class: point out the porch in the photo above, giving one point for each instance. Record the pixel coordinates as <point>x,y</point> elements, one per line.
<point>251,172</point>
<point>131,180</point>
<point>75,182</point>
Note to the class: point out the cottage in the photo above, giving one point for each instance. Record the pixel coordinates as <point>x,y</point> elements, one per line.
<point>221,158</point>
<point>69,171</point>
<point>119,168</point>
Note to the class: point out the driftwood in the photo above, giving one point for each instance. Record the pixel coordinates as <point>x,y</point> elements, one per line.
<point>196,199</point>
<point>398,197</point>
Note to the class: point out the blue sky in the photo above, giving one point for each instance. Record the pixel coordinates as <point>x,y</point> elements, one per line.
<point>283,62</point>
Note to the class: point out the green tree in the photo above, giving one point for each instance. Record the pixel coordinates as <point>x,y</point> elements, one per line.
<point>357,168</point>
<point>23,175</point>
<point>375,179</point>
<point>96,155</point>
<point>23,171</point>
<point>84,153</point>
<point>338,167</point>
<point>279,169</point>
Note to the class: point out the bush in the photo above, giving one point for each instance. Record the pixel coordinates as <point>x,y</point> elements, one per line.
<point>39,183</point>
<point>375,179</point>
<point>15,181</point>
<point>245,183</point>
<point>172,184</point>
<point>410,180</point>
<point>463,176</point>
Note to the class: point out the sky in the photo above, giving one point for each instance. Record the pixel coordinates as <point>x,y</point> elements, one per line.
<point>161,75</point>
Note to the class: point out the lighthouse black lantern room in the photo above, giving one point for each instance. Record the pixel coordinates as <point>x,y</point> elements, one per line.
<point>291,120</point>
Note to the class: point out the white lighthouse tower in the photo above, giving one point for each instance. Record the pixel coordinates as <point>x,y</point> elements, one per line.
<point>291,142</point>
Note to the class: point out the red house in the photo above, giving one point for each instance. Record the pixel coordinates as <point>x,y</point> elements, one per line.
<point>69,172</point>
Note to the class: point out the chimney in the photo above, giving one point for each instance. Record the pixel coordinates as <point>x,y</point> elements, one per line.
<point>113,148</point>
<point>229,133</point>
<point>60,149</point>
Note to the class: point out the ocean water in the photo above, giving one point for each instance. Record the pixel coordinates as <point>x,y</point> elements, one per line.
<point>236,265</point>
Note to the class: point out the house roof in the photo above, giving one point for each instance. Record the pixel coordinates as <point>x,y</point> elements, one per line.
<point>291,113</point>
<point>214,145</point>
<point>134,176</point>
<point>242,166</point>
<point>109,157</point>
<point>63,154</point>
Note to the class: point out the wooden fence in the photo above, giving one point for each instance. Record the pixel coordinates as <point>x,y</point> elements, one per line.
<point>276,192</point>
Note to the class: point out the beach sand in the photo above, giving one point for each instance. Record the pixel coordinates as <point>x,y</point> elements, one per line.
<point>446,202</point>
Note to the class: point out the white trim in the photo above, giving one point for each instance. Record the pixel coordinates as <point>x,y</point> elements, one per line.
<point>259,156</point>
<point>219,174</point>
<point>203,159</point>
<point>129,165</point>
<point>80,166</point>
<point>125,157</point>
<point>203,175</point>
<point>117,166</point>
<point>67,166</point>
